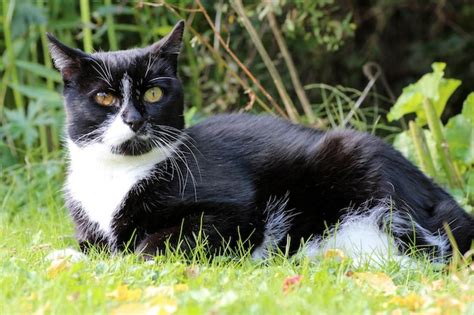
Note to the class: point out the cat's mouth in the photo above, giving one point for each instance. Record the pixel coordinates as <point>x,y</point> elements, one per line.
<point>137,145</point>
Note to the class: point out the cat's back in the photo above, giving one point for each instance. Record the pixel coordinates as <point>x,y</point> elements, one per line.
<point>254,132</point>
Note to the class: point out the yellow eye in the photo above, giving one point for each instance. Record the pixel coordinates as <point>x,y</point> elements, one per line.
<point>104,99</point>
<point>153,95</point>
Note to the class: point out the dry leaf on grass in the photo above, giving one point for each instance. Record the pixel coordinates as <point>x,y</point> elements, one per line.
<point>448,303</point>
<point>411,301</point>
<point>291,282</point>
<point>166,305</point>
<point>57,266</point>
<point>335,254</point>
<point>124,294</point>
<point>377,281</point>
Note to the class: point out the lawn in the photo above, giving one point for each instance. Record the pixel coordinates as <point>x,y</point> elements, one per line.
<point>34,222</point>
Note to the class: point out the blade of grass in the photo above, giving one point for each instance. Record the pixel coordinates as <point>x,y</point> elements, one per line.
<point>111,27</point>
<point>441,145</point>
<point>300,92</point>
<point>422,150</point>
<point>86,25</point>
<point>8,8</point>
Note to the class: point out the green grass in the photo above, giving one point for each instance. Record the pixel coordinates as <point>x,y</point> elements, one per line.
<point>34,223</point>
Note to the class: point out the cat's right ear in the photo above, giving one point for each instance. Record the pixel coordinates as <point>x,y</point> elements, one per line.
<point>66,59</point>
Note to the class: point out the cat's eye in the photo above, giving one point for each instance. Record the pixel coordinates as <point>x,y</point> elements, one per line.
<point>104,99</point>
<point>153,95</point>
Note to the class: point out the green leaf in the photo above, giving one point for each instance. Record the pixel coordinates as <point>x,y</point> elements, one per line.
<point>459,133</point>
<point>409,102</point>
<point>432,86</point>
<point>468,108</point>
<point>36,92</point>
<point>39,70</point>
<point>405,145</point>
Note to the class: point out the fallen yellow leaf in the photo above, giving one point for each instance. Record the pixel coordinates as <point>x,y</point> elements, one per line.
<point>450,303</point>
<point>58,266</point>
<point>124,294</point>
<point>181,287</point>
<point>377,281</point>
<point>335,254</point>
<point>161,290</point>
<point>166,305</point>
<point>43,309</point>
<point>412,301</point>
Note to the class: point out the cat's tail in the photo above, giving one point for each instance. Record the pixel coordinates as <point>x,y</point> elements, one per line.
<point>377,234</point>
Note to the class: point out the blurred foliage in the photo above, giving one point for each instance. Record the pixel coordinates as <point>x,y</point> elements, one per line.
<point>446,153</point>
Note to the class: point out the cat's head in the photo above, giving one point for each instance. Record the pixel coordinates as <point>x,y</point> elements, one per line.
<point>128,101</point>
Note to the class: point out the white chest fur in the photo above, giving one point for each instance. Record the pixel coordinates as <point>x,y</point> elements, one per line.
<point>100,180</point>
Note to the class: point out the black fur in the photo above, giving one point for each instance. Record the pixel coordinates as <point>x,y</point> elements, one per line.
<point>239,162</point>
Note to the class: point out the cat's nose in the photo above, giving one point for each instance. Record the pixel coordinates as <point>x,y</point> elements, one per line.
<point>135,125</point>
<point>133,119</point>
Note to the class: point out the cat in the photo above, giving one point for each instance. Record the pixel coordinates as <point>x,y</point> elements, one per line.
<point>139,181</point>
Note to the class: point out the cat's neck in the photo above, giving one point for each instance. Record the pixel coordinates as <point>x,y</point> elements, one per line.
<point>100,180</point>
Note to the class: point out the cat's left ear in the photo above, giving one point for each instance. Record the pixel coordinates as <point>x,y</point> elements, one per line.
<point>170,44</point>
<point>66,59</point>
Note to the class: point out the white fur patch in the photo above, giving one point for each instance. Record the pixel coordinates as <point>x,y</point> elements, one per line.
<point>100,180</point>
<point>277,225</point>
<point>360,238</point>
<point>67,253</point>
<point>117,132</point>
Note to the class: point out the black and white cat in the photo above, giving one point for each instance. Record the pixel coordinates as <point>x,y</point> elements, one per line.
<point>138,179</point>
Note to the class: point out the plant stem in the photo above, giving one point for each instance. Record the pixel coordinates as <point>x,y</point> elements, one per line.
<point>441,145</point>
<point>86,25</point>
<point>422,150</point>
<point>300,92</point>
<point>239,63</point>
<point>8,8</point>
<point>289,106</point>
<point>111,27</point>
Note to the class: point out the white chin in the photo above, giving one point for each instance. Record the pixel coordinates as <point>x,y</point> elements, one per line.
<point>117,133</point>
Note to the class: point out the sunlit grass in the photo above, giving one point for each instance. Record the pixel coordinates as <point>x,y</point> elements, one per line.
<point>34,223</point>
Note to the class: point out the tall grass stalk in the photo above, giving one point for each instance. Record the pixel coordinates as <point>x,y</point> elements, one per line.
<point>289,106</point>
<point>44,45</point>
<point>300,92</point>
<point>8,8</point>
<point>422,150</point>
<point>111,27</point>
<point>86,25</point>
<point>441,145</point>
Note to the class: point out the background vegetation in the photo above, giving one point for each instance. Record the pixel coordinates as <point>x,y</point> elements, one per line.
<point>323,63</point>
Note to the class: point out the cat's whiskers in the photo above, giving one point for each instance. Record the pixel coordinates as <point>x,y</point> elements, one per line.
<point>179,135</point>
<point>176,151</point>
<point>174,166</point>
<point>102,72</point>
<point>182,157</point>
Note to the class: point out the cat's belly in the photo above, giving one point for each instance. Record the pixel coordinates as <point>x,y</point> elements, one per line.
<point>101,185</point>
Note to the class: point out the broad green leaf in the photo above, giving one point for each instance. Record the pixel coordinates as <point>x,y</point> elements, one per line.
<point>39,70</point>
<point>404,144</point>
<point>445,90</point>
<point>409,102</point>
<point>468,108</point>
<point>459,133</point>
<point>431,86</point>
<point>36,92</point>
